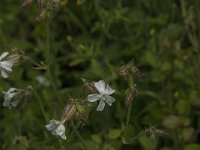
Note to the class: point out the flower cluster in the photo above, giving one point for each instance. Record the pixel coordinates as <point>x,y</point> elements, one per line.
<point>72,111</point>
<point>100,92</point>
<point>97,92</point>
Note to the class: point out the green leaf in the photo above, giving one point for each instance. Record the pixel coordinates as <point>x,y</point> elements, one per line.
<point>115,133</point>
<point>96,138</point>
<point>147,144</point>
<point>192,147</point>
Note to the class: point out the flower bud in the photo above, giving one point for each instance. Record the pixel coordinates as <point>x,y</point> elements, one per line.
<point>124,71</point>
<point>127,69</point>
<point>134,70</point>
<point>55,3</point>
<point>152,132</point>
<point>130,94</point>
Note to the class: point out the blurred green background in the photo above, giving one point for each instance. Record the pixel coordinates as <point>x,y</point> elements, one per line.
<point>91,39</point>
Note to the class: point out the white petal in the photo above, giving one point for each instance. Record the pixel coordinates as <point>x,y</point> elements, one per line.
<point>7,65</point>
<point>53,121</point>
<point>12,92</point>
<point>110,100</point>
<point>100,86</point>
<point>49,127</point>
<point>101,105</point>
<point>14,103</point>
<point>6,103</point>
<point>4,73</point>
<point>61,131</point>
<point>109,90</point>
<point>94,97</point>
<point>63,137</point>
<point>53,125</point>
<point>4,54</point>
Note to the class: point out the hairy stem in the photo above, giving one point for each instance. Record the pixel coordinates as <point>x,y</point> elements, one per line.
<point>78,135</point>
<point>48,60</point>
<point>130,106</point>
<point>37,96</point>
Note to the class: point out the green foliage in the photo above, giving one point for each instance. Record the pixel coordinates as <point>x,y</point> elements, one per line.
<point>91,39</point>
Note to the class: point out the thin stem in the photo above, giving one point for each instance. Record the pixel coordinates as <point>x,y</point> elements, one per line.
<point>37,96</point>
<point>130,106</point>
<point>48,60</point>
<point>128,115</point>
<point>131,140</point>
<point>78,135</point>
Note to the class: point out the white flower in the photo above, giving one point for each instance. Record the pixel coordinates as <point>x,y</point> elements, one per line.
<point>104,95</point>
<point>5,65</point>
<point>10,97</point>
<point>57,128</point>
<point>43,81</point>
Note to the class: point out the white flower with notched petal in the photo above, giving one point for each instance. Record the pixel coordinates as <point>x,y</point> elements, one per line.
<point>57,128</point>
<point>103,96</point>
<point>5,65</point>
<point>11,97</point>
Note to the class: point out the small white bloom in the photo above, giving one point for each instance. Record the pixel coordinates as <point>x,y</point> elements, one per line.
<point>43,81</point>
<point>57,128</point>
<point>10,97</point>
<point>104,95</point>
<point>5,65</point>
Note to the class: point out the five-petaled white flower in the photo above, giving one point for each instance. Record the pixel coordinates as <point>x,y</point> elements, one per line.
<point>5,65</point>
<point>103,96</point>
<point>11,97</point>
<point>57,128</point>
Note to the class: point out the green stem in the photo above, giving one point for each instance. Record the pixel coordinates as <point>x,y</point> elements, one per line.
<point>130,106</point>
<point>131,140</point>
<point>78,135</point>
<point>37,96</point>
<point>48,60</point>
<point>128,115</point>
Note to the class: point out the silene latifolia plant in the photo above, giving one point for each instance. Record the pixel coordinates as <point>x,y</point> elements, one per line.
<point>77,109</point>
